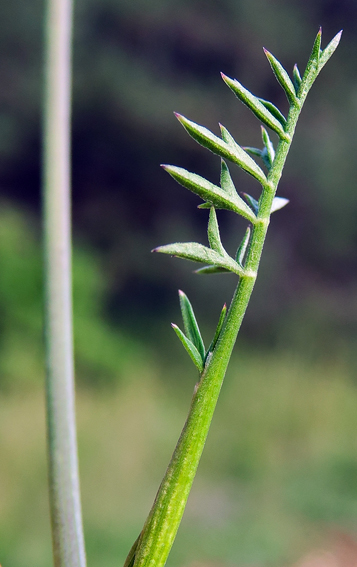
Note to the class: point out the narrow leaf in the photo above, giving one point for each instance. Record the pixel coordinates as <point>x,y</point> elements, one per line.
<point>329,50</point>
<point>251,202</point>
<point>198,253</point>
<point>210,192</point>
<point>255,105</point>
<point>206,138</point>
<point>221,321</point>
<point>282,77</point>
<point>212,270</point>
<point>241,157</point>
<point>214,238</point>
<point>254,151</point>
<point>269,147</point>
<point>243,247</point>
<point>296,78</point>
<point>312,67</point>
<point>275,111</point>
<point>190,324</point>
<point>278,203</point>
<point>226,180</point>
<point>189,347</point>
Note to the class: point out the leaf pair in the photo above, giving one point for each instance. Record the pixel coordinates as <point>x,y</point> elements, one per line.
<point>269,114</point>
<point>224,197</point>
<point>192,339</point>
<point>226,147</point>
<point>216,256</point>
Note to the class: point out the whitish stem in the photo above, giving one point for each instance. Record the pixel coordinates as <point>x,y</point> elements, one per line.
<point>66,517</point>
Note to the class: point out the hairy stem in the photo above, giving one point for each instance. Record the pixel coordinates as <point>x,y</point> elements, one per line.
<point>66,519</point>
<point>157,537</point>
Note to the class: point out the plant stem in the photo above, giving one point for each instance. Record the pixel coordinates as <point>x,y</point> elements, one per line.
<point>65,507</point>
<point>160,529</point>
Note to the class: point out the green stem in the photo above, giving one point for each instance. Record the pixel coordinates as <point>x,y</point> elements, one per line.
<point>67,533</point>
<point>158,534</point>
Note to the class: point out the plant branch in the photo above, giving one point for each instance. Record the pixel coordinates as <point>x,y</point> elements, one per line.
<point>155,541</point>
<point>65,507</point>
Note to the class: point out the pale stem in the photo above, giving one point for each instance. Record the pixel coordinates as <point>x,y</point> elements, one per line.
<point>65,507</point>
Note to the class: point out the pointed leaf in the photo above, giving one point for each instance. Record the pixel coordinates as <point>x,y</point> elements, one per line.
<point>259,153</point>
<point>212,270</point>
<point>269,146</point>
<point>214,238</point>
<point>189,347</point>
<point>226,180</point>
<point>251,202</point>
<point>206,206</point>
<point>329,50</point>
<point>282,77</point>
<point>210,192</point>
<point>255,105</point>
<point>198,253</point>
<point>206,138</point>
<point>278,203</point>
<point>221,321</point>
<point>243,247</point>
<point>241,157</point>
<point>190,324</point>
<point>254,151</point>
<point>312,67</point>
<point>275,111</point>
<point>296,78</point>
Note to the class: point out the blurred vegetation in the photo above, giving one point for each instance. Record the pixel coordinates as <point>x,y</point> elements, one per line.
<point>280,465</point>
<point>278,471</point>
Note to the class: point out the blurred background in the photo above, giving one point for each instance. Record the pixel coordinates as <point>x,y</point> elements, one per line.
<point>279,474</point>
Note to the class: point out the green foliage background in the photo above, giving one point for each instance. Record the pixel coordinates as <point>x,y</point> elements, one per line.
<point>280,467</point>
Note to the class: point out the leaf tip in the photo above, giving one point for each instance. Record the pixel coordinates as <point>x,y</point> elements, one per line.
<point>338,37</point>
<point>179,116</point>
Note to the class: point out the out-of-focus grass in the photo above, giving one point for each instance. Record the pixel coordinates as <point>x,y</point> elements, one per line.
<point>279,468</point>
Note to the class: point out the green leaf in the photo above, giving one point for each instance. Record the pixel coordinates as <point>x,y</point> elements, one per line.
<point>278,203</point>
<point>282,77</point>
<point>189,347</point>
<point>254,151</point>
<point>312,67</point>
<point>229,150</point>
<point>214,238</point>
<point>190,324</point>
<point>296,78</point>
<point>329,50</point>
<point>210,192</point>
<point>226,180</point>
<point>198,253</point>
<point>206,138</point>
<point>275,111</point>
<point>255,105</point>
<point>241,157</point>
<point>253,203</point>
<point>270,152</point>
<point>243,247</point>
<point>221,321</point>
<point>212,270</point>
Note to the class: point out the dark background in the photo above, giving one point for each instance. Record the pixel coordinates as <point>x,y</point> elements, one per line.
<point>278,475</point>
<point>134,64</point>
